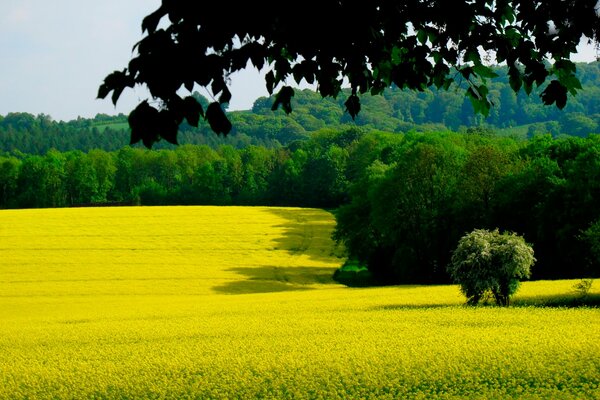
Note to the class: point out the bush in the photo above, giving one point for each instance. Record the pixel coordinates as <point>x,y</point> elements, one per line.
<point>487,262</point>
<point>353,274</point>
<point>583,287</point>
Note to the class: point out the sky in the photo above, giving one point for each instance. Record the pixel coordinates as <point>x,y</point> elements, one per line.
<point>55,54</point>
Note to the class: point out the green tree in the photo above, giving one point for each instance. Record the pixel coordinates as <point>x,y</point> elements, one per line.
<point>81,181</point>
<point>30,182</point>
<point>485,165</point>
<point>41,181</point>
<point>54,193</point>
<point>371,44</point>
<point>578,124</point>
<point>412,209</point>
<point>9,174</point>
<point>233,178</point>
<point>591,236</point>
<point>400,221</point>
<point>104,169</point>
<point>355,227</point>
<point>126,175</point>
<point>324,178</point>
<point>491,262</point>
<point>257,166</point>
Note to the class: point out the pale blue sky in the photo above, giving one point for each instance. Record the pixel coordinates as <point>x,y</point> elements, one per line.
<point>55,54</point>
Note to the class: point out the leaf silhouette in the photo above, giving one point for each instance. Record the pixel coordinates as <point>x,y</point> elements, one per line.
<point>353,105</point>
<point>283,98</point>
<point>217,119</point>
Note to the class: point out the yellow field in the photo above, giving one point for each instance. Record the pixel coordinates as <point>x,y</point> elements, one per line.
<point>238,302</point>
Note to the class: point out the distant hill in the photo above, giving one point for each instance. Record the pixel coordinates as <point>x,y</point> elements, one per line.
<point>395,111</point>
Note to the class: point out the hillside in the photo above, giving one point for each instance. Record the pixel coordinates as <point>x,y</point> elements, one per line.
<point>394,111</point>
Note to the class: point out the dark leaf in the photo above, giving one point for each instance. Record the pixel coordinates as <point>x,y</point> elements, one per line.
<point>117,81</point>
<point>309,69</point>
<point>472,55</point>
<point>257,60</point>
<point>175,105</point>
<point>440,76</point>
<point>116,93</point>
<point>447,83</point>
<point>149,141</point>
<point>143,121</point>
<point>103,91</point>
<point>111,82</point>
<point>150,23</point>
<point>514,78</point>
<point>167,126</point>
<point>283,98</point>
<point>566,66</point>
<point>298,71</point>
<point>353,105</point>
<point>568,79</point>
<point>555,93</point>
<point>225,96</point>
<point>479,100</point>
<point>217,119</point>
<point>218,85</point>
<point>484,72</point>
<point>134,66</point>
<point>270,81</point>
<point>396,55</point>
<point>422,36</point>
<point>508,14</point>
<point>527,86</point>
<point>466,72</point>
<point>192,110</point>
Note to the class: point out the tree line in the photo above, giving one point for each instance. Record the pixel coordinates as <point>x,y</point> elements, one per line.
<point>395,111</point>
<point>402,200</point>
<point>308,173</point>
<point>412,201</point>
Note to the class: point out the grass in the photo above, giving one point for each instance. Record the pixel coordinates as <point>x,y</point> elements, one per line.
<point>118,126</point>
<point>239,302</point>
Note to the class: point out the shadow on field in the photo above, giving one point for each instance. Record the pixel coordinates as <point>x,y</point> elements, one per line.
<point>400,307</point>
<point>307,231</point>
<point>275,279</point>
<point>568,300</point>
<point>558,301</point>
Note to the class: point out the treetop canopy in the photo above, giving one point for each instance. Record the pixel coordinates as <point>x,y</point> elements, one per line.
<point>412,44</point>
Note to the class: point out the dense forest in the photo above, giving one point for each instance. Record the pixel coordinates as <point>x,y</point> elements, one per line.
<point>407,179</point>
<point>395,111</point>
<point>402,200</point>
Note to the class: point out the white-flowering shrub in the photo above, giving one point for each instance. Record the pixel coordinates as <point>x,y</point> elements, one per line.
<point>489,262</point>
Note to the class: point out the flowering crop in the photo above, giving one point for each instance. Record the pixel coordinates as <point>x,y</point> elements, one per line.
<point>238,302</point>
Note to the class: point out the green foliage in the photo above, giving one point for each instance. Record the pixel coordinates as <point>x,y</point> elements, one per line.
<point>489,262</point>
<point>591,236</point>
<point>373,45</point>
<point>353,274</point>
<point>394,111</point>
<point>405,199</point>
<point>411,199</point>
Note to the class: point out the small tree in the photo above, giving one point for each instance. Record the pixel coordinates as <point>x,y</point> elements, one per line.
<point>489,262</point>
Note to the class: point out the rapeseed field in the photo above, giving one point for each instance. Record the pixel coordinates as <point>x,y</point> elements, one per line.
<point>238,302</point>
